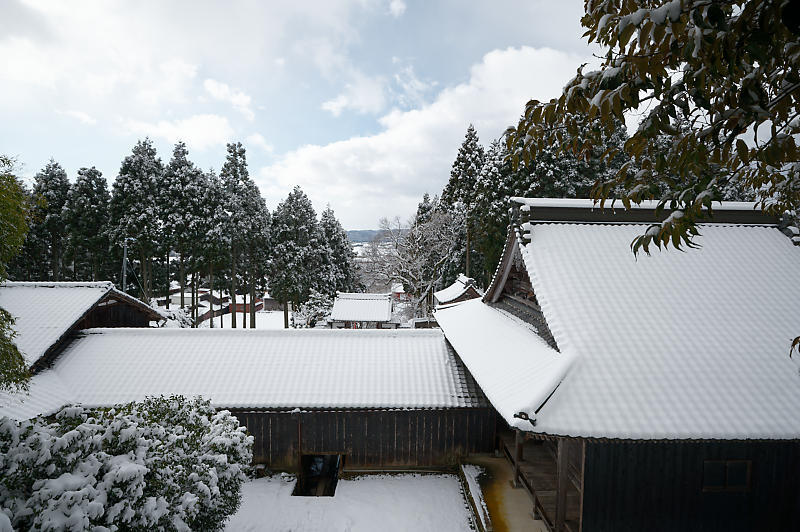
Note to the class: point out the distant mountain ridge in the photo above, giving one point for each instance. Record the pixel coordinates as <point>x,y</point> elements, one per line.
<point>362,235</point>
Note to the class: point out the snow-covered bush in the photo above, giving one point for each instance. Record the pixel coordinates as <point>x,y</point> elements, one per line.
<point>166,463</point>
<point>316,310</point>
<point>176,318</point>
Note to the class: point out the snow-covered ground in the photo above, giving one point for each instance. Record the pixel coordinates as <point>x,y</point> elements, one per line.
<point>270,319</point>
<point>384,502</point>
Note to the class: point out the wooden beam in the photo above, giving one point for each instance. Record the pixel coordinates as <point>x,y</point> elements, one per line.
<point>561,482</point>
<point>518,441</point>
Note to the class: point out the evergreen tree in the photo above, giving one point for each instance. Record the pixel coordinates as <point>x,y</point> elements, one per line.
<point>234,177</point>
<point>295,265</point>
<point>215,243</point>
<point>494,187</point>
<point>87,217</point>
<point>340,254</point>
<point>459,196</point>
<point>134,212</point>
<point>256,242</point>
<point>182,211</point>
<point>51,188</point>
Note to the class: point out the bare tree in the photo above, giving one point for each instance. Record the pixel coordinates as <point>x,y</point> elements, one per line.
<point>414,254</point>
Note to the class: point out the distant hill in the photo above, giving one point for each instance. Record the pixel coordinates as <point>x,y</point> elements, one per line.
<point>362,235</point>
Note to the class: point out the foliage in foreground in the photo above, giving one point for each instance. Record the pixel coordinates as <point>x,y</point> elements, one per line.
<point>722,82</point>
<point>164,463</point>
<point>14,209</point>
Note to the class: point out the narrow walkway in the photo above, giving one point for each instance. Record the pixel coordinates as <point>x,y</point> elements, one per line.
<point>509,508</point>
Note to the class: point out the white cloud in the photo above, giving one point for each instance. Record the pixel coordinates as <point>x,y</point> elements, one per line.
<point>79,115</point>
<point>198,131</point>
<point>239,99</point>
<point>363,94</point>
<point>257,139</point>
<point>397,8</point>
<point>412,90</point>
<point>366,178</point>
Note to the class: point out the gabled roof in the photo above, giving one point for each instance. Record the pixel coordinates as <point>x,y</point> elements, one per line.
<point>676,345</point>
<point>255,369</point>
<point>460,286</point>
<point>362,307</point>
<point>44,312</point>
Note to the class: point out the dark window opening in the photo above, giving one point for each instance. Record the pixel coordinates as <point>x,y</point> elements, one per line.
<point>727,475</point>
<point>319,474</point>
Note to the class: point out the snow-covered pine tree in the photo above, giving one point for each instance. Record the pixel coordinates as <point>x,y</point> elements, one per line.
<point>51,188</point>
<point>182,211</point>
<point>459,195</point>
<point>295,265</point>
<point>87,215</point>
<point>215,243</point>
<point>256,242</point>
<point>233,176</point>
<point>494,187</point>
<point>134,211</point>
<point>342,257</point>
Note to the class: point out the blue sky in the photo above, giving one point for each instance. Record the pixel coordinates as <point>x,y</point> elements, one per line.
<point>362,103</point>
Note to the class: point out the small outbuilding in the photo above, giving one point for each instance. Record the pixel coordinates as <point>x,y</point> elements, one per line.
<point>362,311</point>
<point>462,289</point>
<point>47,313</point>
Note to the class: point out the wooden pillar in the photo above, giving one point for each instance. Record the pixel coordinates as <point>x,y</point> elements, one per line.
<point>561,482</point>
<point>518,441</point>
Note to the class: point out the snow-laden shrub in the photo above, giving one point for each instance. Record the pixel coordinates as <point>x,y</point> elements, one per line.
<point>316,310</point>
<point>166,463</point>
<point>176,318</point>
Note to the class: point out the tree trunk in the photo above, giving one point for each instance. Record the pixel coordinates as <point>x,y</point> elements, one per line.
<point>252,304</point>
<point>244,308</point>
<point>285,314</point>
<point>143,274</point>
<point>468,253</point>
<point>94,267</point>
<point>168,284</point>
<point>182,275</point>
<point>211,292</point>
<point>233,286</point>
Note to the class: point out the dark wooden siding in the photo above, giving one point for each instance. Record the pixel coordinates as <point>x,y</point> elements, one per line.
<point>371,438</point>
<point>658,486</point>
<point>116,314</point>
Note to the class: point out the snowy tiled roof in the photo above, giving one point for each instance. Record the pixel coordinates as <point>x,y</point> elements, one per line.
<point>263,368</point>
<point>514,367</point>
<point>677,345</point>
<point>455,290</point>
<point>362,307</point>
<point>44,311</point>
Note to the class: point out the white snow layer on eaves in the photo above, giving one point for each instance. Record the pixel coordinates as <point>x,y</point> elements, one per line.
<point>44,311</point>
<point>675,345</point>
<point>263,369</point>
<point>514,367</point>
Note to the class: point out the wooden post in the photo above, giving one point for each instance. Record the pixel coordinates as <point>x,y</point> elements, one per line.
<point>561,482</point>
<point>518,441</point>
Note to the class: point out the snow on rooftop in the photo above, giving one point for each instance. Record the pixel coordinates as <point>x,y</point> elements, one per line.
<point>581,203</point>
<point>251,368</point>
<point>44,311</point>
<point>362,307</point>
<point>514,367</point>
<point>687,345</point>
<point>455,290</point>
<point>47,394</point>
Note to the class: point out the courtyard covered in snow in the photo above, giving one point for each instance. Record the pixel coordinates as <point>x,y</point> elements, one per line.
<point>401,502</point>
